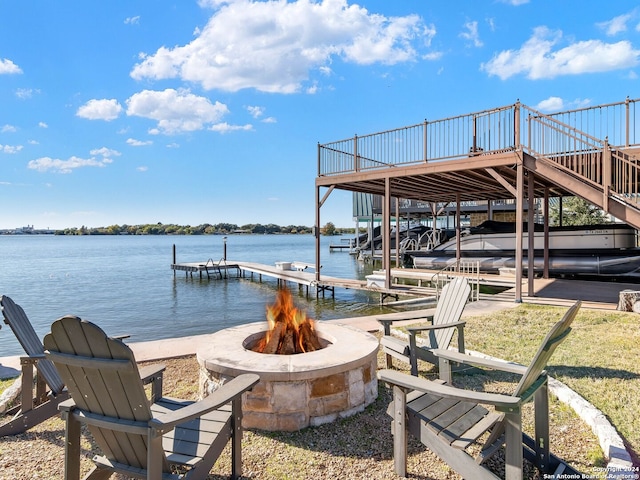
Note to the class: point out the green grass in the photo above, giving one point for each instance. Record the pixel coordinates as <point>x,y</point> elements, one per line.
<point>600,359</point>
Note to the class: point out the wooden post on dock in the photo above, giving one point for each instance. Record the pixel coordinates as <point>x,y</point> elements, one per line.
<point>174,258</point>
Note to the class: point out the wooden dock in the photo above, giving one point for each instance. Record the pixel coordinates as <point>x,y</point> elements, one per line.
<point>300,276</point>
<point>220,269</point>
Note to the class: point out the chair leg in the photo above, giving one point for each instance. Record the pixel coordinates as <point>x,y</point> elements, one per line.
<point>541,406</point>
<point>400,431</point>
<point>72,447</point>
<point>413,354</point>
<point>154,455</point>
<point>236,437</point>
<point>513,445</point>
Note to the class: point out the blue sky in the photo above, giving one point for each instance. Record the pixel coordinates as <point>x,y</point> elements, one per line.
<point>210,111</point>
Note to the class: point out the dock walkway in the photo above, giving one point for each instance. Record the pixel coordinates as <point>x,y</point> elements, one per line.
<point>301,277</point>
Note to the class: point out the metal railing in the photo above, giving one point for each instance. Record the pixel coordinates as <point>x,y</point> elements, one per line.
<point>599,144</point>
<point>460,268</point>
<point>594,160</point>
<point>450,138</point>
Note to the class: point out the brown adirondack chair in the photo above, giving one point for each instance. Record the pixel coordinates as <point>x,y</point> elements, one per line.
<point>448,419</point>
<point>138,437</point>
<point>36,407</point>
<point>444,321</point>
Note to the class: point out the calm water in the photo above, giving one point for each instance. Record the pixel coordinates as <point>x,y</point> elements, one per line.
<point>125,284</point>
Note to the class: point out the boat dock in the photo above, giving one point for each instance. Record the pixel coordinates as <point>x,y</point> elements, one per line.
<point>554,291</point>
<point>299,273</point>
<point>220,269</point>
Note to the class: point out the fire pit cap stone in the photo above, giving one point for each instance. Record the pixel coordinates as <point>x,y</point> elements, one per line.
<point>226,353</point>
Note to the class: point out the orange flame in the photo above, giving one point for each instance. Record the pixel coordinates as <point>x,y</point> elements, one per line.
<point>295,332</point>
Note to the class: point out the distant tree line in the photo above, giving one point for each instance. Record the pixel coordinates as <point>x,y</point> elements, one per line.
<point>204,229</point>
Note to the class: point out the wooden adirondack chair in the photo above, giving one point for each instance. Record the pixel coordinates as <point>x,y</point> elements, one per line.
<point>448,419</point>
<point>138,437</point>
<point>444,321</point>
<point>41,404</point>
<point>33,408</point>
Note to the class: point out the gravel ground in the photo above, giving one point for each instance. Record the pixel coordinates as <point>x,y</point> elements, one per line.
<point>360,447</point>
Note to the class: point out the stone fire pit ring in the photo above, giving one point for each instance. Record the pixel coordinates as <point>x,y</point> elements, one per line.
<point>295,391</point>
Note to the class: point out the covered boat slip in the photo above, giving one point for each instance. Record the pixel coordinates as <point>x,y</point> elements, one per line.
<point>510,153</point>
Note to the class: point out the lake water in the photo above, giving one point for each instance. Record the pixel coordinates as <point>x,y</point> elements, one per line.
<point>125,283</point>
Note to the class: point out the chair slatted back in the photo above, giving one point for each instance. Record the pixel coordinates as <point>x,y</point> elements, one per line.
<point>451,303</point>
<point>103,378</point>
<point>16,318</point>
<point>553,339</point>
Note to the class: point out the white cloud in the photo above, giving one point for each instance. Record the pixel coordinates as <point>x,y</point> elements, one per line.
<point>25,93</point>
<point>103,109</point>
<point>10,148</point>
<point>269,120</point>
<point>515,3</point>
<point>175,111</point>
<point>8,67</point>
<point>551,104</point>
<point>138,143</point>
<point>471,33</point>
<point>226,128</point>
<point>615,25</point>
<point>142,169</point>
<point>42,125</point>
<point>536,58</point>
<point>432,56</point>
<point>256,112</point>
<point>45,164</point>
<point>173,145</point>
<point>273,46</point>
<point>132,20</point>
<point>105,152</point>
<point>8,129</point>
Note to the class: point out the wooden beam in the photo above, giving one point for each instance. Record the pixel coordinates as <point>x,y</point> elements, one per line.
<point>508,187</point>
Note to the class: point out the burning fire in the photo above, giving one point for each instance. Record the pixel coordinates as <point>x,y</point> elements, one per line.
<point>290,331</point>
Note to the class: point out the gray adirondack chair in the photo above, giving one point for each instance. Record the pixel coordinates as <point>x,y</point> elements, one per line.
<point>444,321</point>
<point>36,407</point>
<point>138,437</point>
<point>448,419</point>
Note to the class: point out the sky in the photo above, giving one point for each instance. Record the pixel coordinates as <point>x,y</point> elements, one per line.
<point>210,111</point>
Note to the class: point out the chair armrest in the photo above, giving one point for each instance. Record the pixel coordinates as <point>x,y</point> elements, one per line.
<point>387,322</point>
<point>67,405</point>
<point>457,357</point>
<point>409,382</point>
<point>223,395</point>
<point>32,359</point>
<point>153,374</point>
<point>150,372</point>
<point>414,330</point>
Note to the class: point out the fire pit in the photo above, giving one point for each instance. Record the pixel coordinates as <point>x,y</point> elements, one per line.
<point>297,390</point>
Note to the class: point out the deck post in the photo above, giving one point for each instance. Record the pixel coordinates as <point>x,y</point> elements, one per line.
<point>386,233</point>
<point>545,212</point>
<point>458,232</point>
<point>174,258</point>
<point>519,229</point>
<point>531,231</point>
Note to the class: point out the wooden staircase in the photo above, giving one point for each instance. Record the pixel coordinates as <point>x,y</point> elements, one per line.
<point>604,175</point>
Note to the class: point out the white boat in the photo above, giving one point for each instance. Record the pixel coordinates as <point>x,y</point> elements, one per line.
<point>607,250</point>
